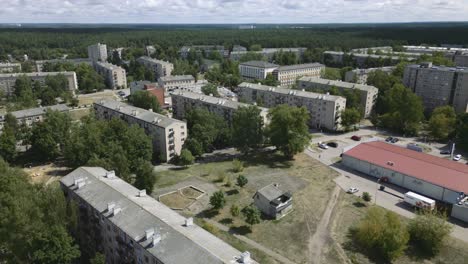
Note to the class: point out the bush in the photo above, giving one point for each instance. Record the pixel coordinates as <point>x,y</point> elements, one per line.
<point>235,211</point>
<point>217,200</point>
<point>366,196</point>
<point>221,176</point>
<point>428,231</point>
<point>210,228</point>
<point>242,180</point>
<point>186,158</point>
<point>228,181</point>
<point>252,215</point>
<point>237,166</point>
<point>381,232</point>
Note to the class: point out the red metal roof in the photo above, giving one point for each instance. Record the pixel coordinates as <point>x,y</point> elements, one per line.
<point>445,173</point>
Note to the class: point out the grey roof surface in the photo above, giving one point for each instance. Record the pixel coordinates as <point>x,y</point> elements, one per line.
<point>286,91</point>
<point>108,65</point>
<point>339,84</point>
<point>439,68</point>
<point>151,60</point>
<point>271,192</point>
<point>300,66</point>
<point>259,64</point>
<point>142,114</point>
<point>368,70</point>
<point>39,111</point>
<point>174,78</point>
<point>179,244</point>
<point>212,100</point>
<point>35,74</point>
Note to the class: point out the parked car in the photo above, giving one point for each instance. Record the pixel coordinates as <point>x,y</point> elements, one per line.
<point>352,190</point>
<point>356,138</point>
<point>322,146</point>
<point>394,140</point>
<point>389,139</point>
<point>445,152</point>
<point>332,144</point>
<point>457,157</point>
<point>121,93</point>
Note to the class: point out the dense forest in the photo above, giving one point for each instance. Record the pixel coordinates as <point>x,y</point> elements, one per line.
<point>42,43</point>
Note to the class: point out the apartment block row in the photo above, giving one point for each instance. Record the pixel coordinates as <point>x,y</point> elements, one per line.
<point>10,67</point>
<point>438,85</point>
<point>40,63</point>
<point>184,101</point>
<point>368,94</point>
<point>360,75</point>
<point>160,68</point>
<point>267,53</point>
<point>114,76</point>
<point>324,109</point>
<point>168,134</point>
<point>129,226</point>
<point>7,80</point>
<point>31,116</point>
<point>285,75</point>
<point>361,60</point>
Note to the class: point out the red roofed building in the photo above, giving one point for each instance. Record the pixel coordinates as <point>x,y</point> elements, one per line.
<point>157,91</point>
<point>431,176</point>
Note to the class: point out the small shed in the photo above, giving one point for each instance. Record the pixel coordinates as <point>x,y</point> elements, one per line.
<point>272,201</point>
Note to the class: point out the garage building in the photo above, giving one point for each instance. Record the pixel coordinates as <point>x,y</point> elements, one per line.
<point>431,176</point>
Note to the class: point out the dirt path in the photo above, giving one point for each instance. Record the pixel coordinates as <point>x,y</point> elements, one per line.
<point>252,243</point>
<point>322,235</point>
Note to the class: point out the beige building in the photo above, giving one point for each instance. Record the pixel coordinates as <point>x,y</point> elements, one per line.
<point>183,101</point>
<point>168,134</point>
<point>115,76</point>
<point>10,67</point>
<point>160,68</point>
<point>129,226</point>
<point>170,83</point>
<point>324,110</point>
<point>288,75</point>
<point>97,52</point>
<point>7,80</point>
<point>31,116</point>
<point>360,75</point>
<point>438,85</point>
<point>368,93</point>
<point>256,70</point>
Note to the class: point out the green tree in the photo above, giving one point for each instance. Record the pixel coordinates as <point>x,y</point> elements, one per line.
<point>186,158</point>
<point>88,79</point>
<point>366,196</point>
<point>462,131</point>
<point>208,129</point>
<point>252,215</point>
<point>242,180</point>
<point>145,177</point>
<point>350,117</point>
<point>381,232</point>
<point>194,146</point>
<point>237,166</point>
<point>255,47</point>
<point>288,130</point>
<point>145,100</point>
<point>270,80</point>
<point>247,128</point>
<point>8,144</point>
<point>210,89</point>
<point>343,72</point>
<point>99,258</point>
<point>235,211</point>
<point>428,231</point>
<point>442,122</point>
<point>331,74</point>
<point>251,56</point>
<point>217,200</point>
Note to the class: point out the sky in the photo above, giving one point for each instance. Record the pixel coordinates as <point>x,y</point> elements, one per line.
<point>231,11</point>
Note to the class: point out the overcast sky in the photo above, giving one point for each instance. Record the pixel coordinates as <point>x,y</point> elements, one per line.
<point>231,11</point>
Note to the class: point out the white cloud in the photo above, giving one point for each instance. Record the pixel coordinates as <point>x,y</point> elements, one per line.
<point>232,11</point>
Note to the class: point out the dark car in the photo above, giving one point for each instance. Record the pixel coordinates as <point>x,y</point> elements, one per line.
<point>389,139</point>
<point>356,138</point>
<point>332,144</point>
<point>445,152</point>
<point>394,140</point>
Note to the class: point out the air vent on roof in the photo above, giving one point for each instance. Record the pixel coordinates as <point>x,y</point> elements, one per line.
<point>110,207</point>
<point>189,221</point>
<point>156,239</point>
<point>245,257</point>
<point>390,163</point>
<point>134,112</point>
<point>149,233</point>
<point>116,211</point>
<point>79,183</point>
<point>142,193</point>
<point>110,174</point>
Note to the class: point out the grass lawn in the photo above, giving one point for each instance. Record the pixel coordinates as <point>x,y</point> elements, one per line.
<point>351,209</point>
<point>310,182</point>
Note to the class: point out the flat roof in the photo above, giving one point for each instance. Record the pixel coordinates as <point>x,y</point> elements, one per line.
<point>149,59</point>
<point>438,68</point>
<point>142,114</point>
<point>299,66</point>
<point>442,172</point>
<point>293,92</point>
<point>339,84</point>
<point>108,65</point>
<point>35,74</point>
<point>259,64</point>
<point>39,111</point>
<point>173,78</point>
<point>179,243</point>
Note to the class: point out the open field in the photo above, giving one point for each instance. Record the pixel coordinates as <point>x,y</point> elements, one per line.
<point>46,173</point>
<point>351,209</point>
<point>310,182</point>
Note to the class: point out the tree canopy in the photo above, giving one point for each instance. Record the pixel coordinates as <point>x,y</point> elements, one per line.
<point>145,100</point>
<point>247,128</point>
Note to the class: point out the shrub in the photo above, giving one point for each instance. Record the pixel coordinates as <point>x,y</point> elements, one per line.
<point>237,166</point>
<point>235,211</point>
<point>228,181</point>
<point>210,228</point>
<point>252,215</point>
<point>366,196</point>
<point>217,200</point>
<point>242,180</point>
<point>221,176</point>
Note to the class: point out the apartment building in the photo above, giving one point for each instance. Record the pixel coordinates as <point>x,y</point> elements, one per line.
<point>361,60</point>
<point>129,226</point>
<point>31,116</point>
<point>160,68</point>
<point>97,52</point>
<point>438,85</point>
<point>461,59</point>
<point>256,70</point>
<point>168,134</point>
<point>170,83</point>
<point>115,76</point>
<point>383,49</point>
<point>267,53</point>
<point>8,67</point>
<point>184,101</point>
<point>288,75</point>
<point>7,80</point>
<point>205,50</point>
<point>324,109</point>
<point>360,75</point>
<point>40,63</point>
<point>368,93</point>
